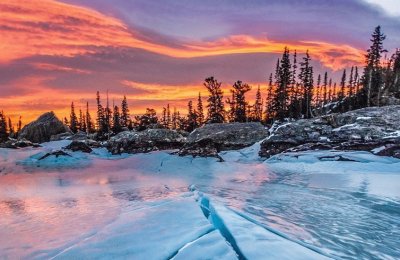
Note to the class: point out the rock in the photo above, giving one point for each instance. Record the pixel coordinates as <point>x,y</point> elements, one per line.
<point>364,129</point>
<point>145,141</point>
<point>204,148</point>
<point>213,138</point>
<point>15,144</point>
<point>55,153</point>
<point>76,146</point>
<point>390,150</point>
<point>43,128</point>
<point>62,136</point>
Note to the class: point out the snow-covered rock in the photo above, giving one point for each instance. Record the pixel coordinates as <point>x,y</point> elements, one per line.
<point>363,129</point>
<point>213,138</point>
<point>15,144</point>
<point>79,146</point>
<point>145,141</point>
<point>43,128</point>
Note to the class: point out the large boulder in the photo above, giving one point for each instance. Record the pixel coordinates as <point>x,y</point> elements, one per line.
<point>362,129</point>
<point>80,146</point>
<point>145,141</point>
<point>213,138</point>
<point>43,128</point>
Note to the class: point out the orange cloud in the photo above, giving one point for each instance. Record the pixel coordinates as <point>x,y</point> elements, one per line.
<point>48,27</point>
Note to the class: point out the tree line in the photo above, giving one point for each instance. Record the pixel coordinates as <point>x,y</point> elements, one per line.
<point>293,92</point>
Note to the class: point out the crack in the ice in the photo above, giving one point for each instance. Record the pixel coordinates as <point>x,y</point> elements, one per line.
<point>211,229</point>
<point>218,223</point>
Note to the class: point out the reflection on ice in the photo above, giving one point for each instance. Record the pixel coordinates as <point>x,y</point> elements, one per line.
<point>343,209</point>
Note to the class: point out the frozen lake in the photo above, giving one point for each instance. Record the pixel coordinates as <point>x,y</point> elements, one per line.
<point>161,206</point>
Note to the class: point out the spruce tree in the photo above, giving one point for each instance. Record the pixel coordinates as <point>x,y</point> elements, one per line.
<point>239,91</point>
<point>200,111</point>
<point>306,78</point>
<point>19,126</point>
<point>284,81</point>
<point>89,123</point>
<point>269,99</point>
<point>373,78</point>
<point>100,120</point>
<point>191,123</point>
<point>257,107</point>
<point>11,130</point>
<point>169,120</point>
<point>3,127</point>
<point>318,94</point>
<point>325,89</point>
<point>73,121</point>
<point>342,86</point>
<point>116,126</point>
<point>215,101</point>
<point>125,118</point>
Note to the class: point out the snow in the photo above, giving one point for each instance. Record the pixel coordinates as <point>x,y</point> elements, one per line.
<point>304,205</point>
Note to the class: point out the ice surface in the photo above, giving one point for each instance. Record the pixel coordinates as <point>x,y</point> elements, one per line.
<point>297,205</point>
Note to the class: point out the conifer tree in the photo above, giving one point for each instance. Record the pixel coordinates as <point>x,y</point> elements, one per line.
<point>257,107</point>
<point>89,123</point>
<point>73,121</point>
<point>191,123</point>
<point>116,126</point>
<point>284,80</point>
<point>3,127</point>
<point>164,118</point>
<point>306,80</point>
<point>169,119</point>
<point>101,124</point>
<point>239,89</point>
<point>372,78</point>
<point>81,122</point>
<point>11,130</point>
<point>19,126</point>
<point>215,101</point>
<point>342,86</point>
<point>200,111</point>
<point>268,107</point>
<point>325,89</point>
<point>318,94</point>
<point>125,118</point>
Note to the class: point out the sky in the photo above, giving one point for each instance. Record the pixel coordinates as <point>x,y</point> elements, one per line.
<point>157,52</point>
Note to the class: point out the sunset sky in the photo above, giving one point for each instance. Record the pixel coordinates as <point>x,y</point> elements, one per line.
<point>158,52</point>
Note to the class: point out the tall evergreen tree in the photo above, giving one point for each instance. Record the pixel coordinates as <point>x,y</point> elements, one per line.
<point>169,119</point>
<point>11,130</point>
<point>239,90</point>
<point>215,101</point>
<point>306,78</point>
<point>101,121</point>
<point>116,126</point>
<point>125,117</point>
<point>325,89</point>
<point>19,126</point>
<point>269,100</point>
<point>89,123</point>
<point>372,78</point>
<point>257,107</point>
<point>342,86</point>
<point>284,80</point>
<point>200,111</point>
<point>318,94</point>
<point>3,127</point>
<point>73,121</point>
<point>192,120</point>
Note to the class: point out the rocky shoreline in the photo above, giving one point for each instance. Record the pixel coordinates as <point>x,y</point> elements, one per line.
<point>374,129</point>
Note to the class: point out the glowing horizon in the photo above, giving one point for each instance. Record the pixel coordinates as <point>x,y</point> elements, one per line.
<point>58,52</point>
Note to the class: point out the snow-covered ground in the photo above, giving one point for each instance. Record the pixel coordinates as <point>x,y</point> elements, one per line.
<point>308,205</point>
